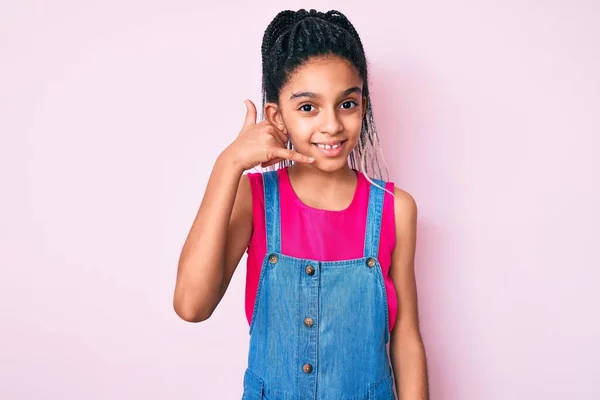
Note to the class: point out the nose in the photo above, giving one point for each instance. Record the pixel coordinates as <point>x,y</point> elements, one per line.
<point>331,124</point>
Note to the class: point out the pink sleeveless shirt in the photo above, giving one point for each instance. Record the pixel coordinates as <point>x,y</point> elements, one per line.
<point>312,233</point>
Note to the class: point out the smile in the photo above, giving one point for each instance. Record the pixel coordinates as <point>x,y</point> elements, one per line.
<point>326,146</point>
<point>331,149</point>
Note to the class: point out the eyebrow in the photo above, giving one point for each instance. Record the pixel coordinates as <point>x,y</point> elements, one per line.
<point>313,95</point>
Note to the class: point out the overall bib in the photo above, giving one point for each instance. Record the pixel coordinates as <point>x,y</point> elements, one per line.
<point>319,330</point>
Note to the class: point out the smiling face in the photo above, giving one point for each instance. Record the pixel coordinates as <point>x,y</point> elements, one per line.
<point>321,108</point>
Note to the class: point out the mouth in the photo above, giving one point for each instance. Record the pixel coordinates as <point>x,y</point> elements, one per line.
<point>331,149</point>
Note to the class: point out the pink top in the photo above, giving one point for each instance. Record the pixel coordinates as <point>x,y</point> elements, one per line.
<point>312,233</point>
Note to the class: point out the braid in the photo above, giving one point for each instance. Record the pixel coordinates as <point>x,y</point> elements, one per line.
<point>281,23</point>
<point>291,39</point>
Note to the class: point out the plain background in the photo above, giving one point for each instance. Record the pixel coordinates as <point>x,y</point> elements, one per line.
<point>112,113</point>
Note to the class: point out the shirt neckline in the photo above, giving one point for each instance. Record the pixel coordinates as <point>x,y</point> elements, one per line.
<point>288,183</point>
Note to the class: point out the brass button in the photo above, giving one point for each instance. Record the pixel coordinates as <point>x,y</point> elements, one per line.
<point>308,322</point>
<point>273,259</point>
<point>307,368</point>
<point>371,262</point>
<point>310,270</point>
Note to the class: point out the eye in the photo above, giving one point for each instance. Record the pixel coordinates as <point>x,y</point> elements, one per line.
<point>306,107</point>
<point>348,104</point>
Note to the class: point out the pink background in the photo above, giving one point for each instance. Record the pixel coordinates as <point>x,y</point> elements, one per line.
<point>111,114</point>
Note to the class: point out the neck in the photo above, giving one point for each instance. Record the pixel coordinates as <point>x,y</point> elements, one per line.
<point>303,174</point>
<point>325,190</point>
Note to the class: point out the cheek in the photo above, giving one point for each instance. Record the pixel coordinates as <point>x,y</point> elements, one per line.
<point>301,129</point>
<point>353,124</point>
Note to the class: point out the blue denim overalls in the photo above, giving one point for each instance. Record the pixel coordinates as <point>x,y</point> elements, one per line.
<point>319,330</point>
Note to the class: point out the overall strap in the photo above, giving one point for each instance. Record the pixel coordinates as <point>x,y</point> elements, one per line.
<point>374,214</point>
<point>272,211</point>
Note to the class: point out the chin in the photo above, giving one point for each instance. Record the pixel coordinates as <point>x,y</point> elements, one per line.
<point>331,165</point>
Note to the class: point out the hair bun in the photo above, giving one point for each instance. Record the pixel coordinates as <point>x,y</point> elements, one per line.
<point>301,14</point>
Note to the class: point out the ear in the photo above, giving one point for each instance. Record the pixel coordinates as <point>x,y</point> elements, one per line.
<point>273,115</point>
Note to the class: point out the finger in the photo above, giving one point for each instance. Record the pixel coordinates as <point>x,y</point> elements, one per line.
<point>281,135</point>
<point>277,138</point>
<point>250,113</point>
<point>293,155</point>
<point>272,162</point>
<point>275,132</point>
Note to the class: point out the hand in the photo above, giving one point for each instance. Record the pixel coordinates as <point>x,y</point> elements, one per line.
<point>261,143</point>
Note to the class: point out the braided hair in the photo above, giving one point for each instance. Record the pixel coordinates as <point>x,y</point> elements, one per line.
<point>290,40</point>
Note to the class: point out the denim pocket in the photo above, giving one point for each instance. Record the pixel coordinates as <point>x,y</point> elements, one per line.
<point>253,386</point>
<point>382,390</point>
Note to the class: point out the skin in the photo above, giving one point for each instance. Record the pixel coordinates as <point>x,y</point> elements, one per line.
<point>314,107</point>
<point>321,103</point>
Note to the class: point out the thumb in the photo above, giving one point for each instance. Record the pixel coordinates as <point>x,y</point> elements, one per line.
<point>250,113</point>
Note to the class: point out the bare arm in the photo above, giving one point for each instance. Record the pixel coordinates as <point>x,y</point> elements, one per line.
<point>221,230</point>
<point>407,351</point>
<point>215,244</point>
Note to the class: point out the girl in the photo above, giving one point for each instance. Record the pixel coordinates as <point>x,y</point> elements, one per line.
<point>330,278</point>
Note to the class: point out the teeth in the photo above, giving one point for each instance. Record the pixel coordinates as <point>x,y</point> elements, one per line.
<point>328,147</point>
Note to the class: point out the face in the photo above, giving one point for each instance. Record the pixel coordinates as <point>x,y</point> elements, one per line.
<point>321,109</point>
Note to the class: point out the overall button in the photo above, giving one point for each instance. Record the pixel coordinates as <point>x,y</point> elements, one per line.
<point>307,368</point>
<point>310,270</point>
<point>273,259</point>
<point>371,262</point>
<point>308,322</point>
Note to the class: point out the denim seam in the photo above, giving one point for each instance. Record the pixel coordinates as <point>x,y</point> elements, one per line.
<point>299,310</point>
<point>381,280</point>
<point>258,292</point>
<point>327,264</point>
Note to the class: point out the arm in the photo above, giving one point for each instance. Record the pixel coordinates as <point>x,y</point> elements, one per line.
<point>221,230</point>
<point>407,351</point>
<point>216,242</point>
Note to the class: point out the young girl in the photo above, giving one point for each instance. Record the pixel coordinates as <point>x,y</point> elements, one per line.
<point>330,277</point>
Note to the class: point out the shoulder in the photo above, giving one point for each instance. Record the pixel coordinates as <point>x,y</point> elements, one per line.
<point>252,187</point>
<point>251,177</point>
<point>254,180</point>
<point>250,191</point>
<point>404,202</point>
<point>405,214</point>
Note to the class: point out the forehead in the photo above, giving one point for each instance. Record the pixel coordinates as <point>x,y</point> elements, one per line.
<point>323,75</point>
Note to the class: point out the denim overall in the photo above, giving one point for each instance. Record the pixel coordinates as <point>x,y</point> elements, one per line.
<point>319,330</point>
